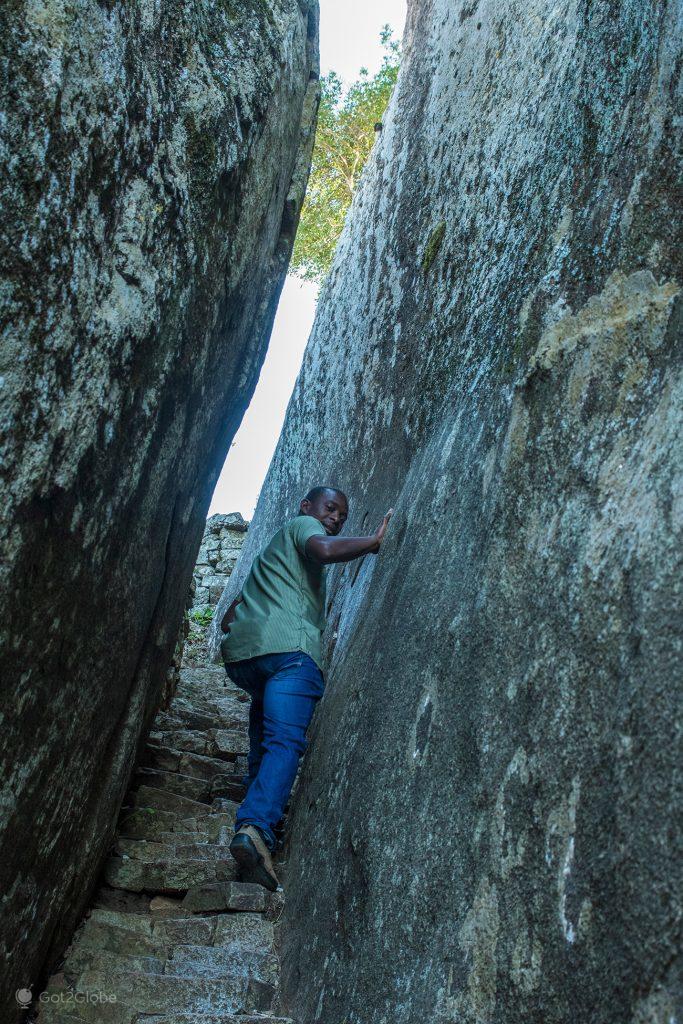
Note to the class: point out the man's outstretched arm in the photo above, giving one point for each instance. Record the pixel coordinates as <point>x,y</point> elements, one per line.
<point>327,550</point>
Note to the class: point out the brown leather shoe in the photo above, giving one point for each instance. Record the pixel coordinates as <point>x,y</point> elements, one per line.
<point>253,856</point>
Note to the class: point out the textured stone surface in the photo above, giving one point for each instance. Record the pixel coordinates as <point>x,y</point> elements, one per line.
<point>485,829</point>
<point>152,162</point>
<point>234,896</point>
<point>140,953</point>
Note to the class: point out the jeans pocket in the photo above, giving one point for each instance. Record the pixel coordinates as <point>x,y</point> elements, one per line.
<point>285,660</point>
<point>314,674</point>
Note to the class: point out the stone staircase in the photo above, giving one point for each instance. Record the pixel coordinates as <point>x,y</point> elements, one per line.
<point>174,936</point>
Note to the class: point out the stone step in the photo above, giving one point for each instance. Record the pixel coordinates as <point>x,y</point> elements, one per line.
<point>123,941</point>
<point>167,876</point>
<point>140,924</point>
<point>204,851</point>
<point>204,675</point>
<point>229,786</point>
<point>178,740</point>
<point>224,748</point>
<point>198,766</point>
<point>187,709</point>
<point>173,733</point>
<point>217,710</point>
<point>147,823</point>
<point>213,823</point>
<point>83,958</point>
<point>155,825</point>
<point>193,1018</point>
<point>159,993</point>
<point>55,1016</point>
<point>163,758</point>
<point>140,849</point>
<point>66,1014</point>
<point>221,804</point>
<point>239,765</point>
<point>182,837</point>
<point>172,782</point>
<point>226,743</point>
<point>182,961</point>
<point>230,708</point>
<point>163,906</point>
<point>123,902</point>
<point>60,1003</point>
<point>203,716</point>
<point>163,800</point>
<point>246,930</point>
<point>145,934</point>
<point>183,717</point>
<point>209,962</point>
<point>172,931</point>
<point>201,692</point>
<point>143,849</point>
<point>219,895</point>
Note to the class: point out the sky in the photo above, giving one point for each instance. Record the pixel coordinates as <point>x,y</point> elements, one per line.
<point>349,40</point>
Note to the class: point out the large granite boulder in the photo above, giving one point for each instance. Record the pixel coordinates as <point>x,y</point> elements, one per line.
<point>154,158</point>
<point>484,830</point>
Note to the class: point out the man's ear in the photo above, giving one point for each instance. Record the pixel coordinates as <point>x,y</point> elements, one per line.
<point>305,505</point>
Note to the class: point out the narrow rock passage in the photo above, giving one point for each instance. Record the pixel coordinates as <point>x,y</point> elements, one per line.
<point>174,937</point>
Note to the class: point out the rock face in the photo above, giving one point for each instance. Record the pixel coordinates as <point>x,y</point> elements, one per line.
<point>485,829</point>
<point>154,158</point>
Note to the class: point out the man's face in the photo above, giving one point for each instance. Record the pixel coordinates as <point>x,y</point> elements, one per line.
<point>330,508</point>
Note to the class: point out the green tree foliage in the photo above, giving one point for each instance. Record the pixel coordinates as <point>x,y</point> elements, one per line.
<point>344,138</point>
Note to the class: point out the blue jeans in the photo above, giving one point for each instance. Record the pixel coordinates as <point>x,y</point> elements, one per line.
<point>284,690</point>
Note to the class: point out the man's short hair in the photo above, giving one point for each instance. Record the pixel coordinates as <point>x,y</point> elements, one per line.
<point>315,492</point>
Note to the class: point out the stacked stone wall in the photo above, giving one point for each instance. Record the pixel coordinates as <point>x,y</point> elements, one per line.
<point>221,544</point>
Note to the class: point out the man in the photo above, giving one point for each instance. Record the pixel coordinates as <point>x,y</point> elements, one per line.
<point>273,651</point>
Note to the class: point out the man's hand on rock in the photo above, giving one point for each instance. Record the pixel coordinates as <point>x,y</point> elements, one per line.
<point>330,550</point>
<point>382,529</point>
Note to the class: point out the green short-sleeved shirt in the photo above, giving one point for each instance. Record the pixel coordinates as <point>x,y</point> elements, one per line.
<point>283,599</point>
